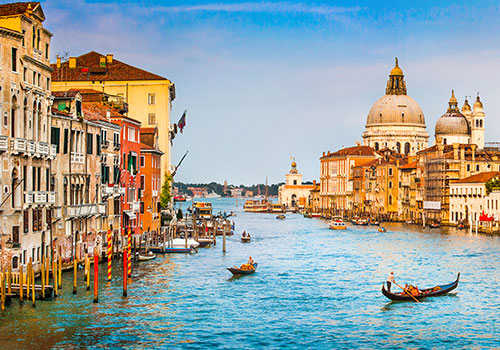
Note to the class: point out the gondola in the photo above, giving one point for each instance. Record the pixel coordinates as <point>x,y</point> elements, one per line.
<point>236,271</point>
<point>280,217</point>
<point>424,293</point>
<point>146,257</point>
<point>245,239</point>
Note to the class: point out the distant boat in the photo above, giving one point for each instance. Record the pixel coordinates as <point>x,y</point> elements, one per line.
<point>244,270</point>
<point>213,195</point>
<point>382,229</point>
<point>281,217</point>
<point>179,198</point>
<point>180,250</point>
<point>146,257</point>
<point>337,224</point>
<point>246,239</point>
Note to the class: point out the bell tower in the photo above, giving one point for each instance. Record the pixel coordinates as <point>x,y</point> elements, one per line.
<point>477,123</point>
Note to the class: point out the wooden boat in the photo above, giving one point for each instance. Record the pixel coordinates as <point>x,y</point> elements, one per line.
<point>245,239</point>
<point>281,217</point>
<point>146,257</point>
<point>424,293</point>
<point>374,223</point>
<point>205,242</point>
<point>434,225</point>
<point>180,250</point>
<point>237,271</point>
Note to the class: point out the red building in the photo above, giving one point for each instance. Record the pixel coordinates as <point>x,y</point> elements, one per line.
<point>130,178</point>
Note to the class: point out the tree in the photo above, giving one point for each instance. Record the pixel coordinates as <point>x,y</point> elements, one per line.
<point>165,195</point>
<point>493,184</point>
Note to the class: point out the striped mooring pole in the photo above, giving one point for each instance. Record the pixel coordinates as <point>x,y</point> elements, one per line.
<point>109,255</point>
<point>129,252</point>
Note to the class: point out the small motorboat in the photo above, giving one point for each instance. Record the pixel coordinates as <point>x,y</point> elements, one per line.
<point>146,257</point>
<point>338,224</point>
<point>434,225</point>
<point>281,217</point>
<point>205,242</point>
<point>181,250</point>
<point>374,223</point>
<point>181,243</point>
<point>245,269</point>
<point>461,226</point>
<point>382,229</point>
<point>423,293</point>
<point>410,222</point>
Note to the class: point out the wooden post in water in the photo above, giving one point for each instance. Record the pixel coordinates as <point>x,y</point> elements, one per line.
<point>21,283</point>
<point>74,275</point>
<point>33,296</point>
<point>224,228</point>
<point>28,278</point>
<point>125,273</point>
<point>9,280</point>
<point>129,251</point>
<point>47,268</point>
<point>96,277</point>
<point>185,239</point>
<point>42,277</point>
<point>59,277</point>
<point>2,280</point>
<point>87,269</point>
<point>110,254</point>
<point>54,276</point>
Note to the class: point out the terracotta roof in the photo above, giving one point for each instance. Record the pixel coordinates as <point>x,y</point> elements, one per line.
<point>412,165</point>
<point>300,186</point>
<point>98,111</point>
<point>148,130</point>
<point>92,70</point>
<point>87,91</point>
<point>480,178</point>
<point>353,151</point>
<point>17,8</point>
<point>62,94</point>
<point>144,146</point>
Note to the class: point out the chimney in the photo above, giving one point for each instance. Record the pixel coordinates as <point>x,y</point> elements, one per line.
<point>108,115</point>
<point>72,62</point>
<point>58,64</point>
<point>102,62</point>
<point>109,58</point>
<point>455,151</point>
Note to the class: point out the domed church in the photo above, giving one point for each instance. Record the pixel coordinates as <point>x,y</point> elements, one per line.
<point>464,127</point>
<point>396,121</point>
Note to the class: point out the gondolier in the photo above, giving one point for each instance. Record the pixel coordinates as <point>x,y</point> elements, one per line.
<point>390,280</point>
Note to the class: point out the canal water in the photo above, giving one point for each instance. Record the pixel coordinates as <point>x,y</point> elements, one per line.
<point>314,288</point>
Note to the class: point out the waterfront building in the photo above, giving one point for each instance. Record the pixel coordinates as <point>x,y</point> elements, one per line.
<point>411,191</point>
<point>293,194</point>
<point>469,200</point>
<point>466,127</point>
<point>148,96</point>
<point>395,120</point>
<point>150,166</point>
<point>130,176</point>
<point>25,100</point>
<point>336,185</point>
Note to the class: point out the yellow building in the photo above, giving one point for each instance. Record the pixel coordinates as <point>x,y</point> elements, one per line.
<point>148,96</point>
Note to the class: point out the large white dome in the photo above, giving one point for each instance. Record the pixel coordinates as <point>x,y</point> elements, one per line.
<point>395,109</point>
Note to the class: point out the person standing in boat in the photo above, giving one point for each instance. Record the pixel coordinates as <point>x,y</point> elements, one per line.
<point>390,280</point>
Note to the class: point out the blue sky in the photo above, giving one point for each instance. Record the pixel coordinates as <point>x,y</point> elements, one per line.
<point>264,81</point>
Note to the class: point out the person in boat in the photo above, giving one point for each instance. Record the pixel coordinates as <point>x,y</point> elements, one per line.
<point>244,234</point>
<point>390,280</point>
<point>250,261</point>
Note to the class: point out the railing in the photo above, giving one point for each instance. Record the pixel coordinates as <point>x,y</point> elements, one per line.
<point>28,197</point>
<point>116,146</point>
<point>31,147</point>
<point>18,145</point>
<point>121,190</point>
<point>104,143</point>
<point>101,208</point>
<point>42,148</point>
<point>136,206</point>
<point>51,197</point>
<point>81,210</point>
<point>107,190</point>
<point>53,151</point>
<point>77,157</point>
<point>155,193</point>
<point>40,197</point>
<point>4,143</point>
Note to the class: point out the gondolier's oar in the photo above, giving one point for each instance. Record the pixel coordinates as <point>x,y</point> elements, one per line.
<point>407,292</point>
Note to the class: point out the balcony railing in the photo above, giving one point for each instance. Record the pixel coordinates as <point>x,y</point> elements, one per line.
<point>136,206</point>
<point>77,157</point>
<point>18,145</point>
<point>51,197</point>
<point>53,151</point>
<point>31,147</point>
<point>81,210</point>
<point>107,190</point>
<point>40,197</point>
<point>101,209</point>
<point>42,148</point>
<point>104,143</point>
<point>4,143</point>
<point>28,197</point>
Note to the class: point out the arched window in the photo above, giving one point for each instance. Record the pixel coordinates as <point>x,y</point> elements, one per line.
<point>407,148</point>
<point>376,146</point>
<point>390,199</point>
<point>390,184</point>
<point>13,116</point>
<point>481,123</point>
<point>25,117</point>
<point>15,262</point>
<point>444,140</point>
<point>398,147</point>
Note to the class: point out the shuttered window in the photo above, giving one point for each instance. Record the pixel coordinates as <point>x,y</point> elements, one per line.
<point>54,137</point>
<point>90,139</point>
<point>65,144</point>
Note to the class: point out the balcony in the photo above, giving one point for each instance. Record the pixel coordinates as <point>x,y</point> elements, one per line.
<point>52,151</point>
<point>116,146</point>
<point>42,148</point>
<point>154,193</point>
<point>104,143</point>
<point>51,197</point>
<point>18,145</point>
<point>107,190</point>
<point>31,147</point>
<point>101,209</point>
<point>77,157</point>
<point>81,210</point>
<point>121,190</point>
<point>58,213</point>
<point>40,197</point>
<point>4,143</point>
<point>28,197</point>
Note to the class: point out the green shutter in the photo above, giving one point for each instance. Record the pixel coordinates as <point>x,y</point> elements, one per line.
<point>65,145</point>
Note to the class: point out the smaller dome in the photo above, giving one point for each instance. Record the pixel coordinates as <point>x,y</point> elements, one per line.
<point>466,106</point>
<point>453,100</point>
<point>294,164</point>
<point>478,105</point>
<point>396,70</point>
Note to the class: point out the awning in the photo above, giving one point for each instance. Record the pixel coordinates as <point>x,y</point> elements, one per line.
<point>130,214</point>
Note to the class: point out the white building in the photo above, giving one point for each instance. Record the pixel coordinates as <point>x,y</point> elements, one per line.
<point>395,120</point>
<point>293,194</point>
<point>468,199</point>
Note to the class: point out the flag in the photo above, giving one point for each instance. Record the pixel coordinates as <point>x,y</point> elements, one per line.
<point>182,122</point>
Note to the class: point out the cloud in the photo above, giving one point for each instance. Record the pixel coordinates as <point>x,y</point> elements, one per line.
<point>262,7</point>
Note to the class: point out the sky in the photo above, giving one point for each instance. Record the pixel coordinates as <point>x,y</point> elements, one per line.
<point>265,81</point>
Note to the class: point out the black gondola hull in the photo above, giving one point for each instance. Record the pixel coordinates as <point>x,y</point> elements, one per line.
<point>425,293</point>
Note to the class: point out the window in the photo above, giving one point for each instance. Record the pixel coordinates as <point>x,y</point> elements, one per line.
<point>390,171</point>
<point>468,167</point>
<point>390,184</point>
<point>47,51</point>
<point>25,73</point>
<point>54,137</point>
<point>65,144</point>
<point>48,83</point>
<point>14,59</point>
<point>98,144</point>
<point>151,118</point>
<point>151,99</point>
<point>131,134</point>
<point>90,139</point>
<point>34,78</point>
<point>22,40</point>
<point>116,140</point>
<point>477,167</point>
<point>143,183</point>
<point>26,221</point>
<point>143,161</point>
<point>142,207</point>
<point>38,39</point>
